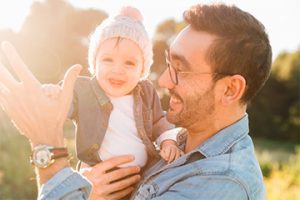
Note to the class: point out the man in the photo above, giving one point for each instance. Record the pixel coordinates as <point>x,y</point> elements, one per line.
<point>216,65</point>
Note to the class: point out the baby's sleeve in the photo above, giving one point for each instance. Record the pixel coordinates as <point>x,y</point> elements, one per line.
<point>168,135</point>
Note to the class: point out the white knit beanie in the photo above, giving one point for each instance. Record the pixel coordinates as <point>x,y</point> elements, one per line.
<point>126,24</point>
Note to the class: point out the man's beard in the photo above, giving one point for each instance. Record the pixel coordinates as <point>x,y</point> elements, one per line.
<point>195,108</point>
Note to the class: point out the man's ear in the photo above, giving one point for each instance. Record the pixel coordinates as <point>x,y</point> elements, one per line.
<point>234,88</point>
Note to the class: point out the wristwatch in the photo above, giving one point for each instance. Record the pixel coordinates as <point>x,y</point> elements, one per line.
<point>43,156</point>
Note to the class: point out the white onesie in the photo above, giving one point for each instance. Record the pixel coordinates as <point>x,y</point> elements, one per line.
<point>122,137</point>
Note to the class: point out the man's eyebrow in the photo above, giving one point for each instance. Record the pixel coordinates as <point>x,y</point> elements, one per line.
<point>180,58</point>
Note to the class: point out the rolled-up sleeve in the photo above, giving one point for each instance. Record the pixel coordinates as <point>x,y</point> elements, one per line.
<point>66,184</point>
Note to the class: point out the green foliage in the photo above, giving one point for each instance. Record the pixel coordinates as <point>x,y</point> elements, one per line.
<point>282,180</point>
<point>286,67</point>
<point>280,164</point>
<point>275,112</point>
<point>17,179</point>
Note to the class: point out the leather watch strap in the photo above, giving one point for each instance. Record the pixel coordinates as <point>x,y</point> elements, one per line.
<point>59,152</point>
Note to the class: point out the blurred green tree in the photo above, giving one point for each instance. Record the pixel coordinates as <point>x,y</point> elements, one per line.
<point>275,112</point>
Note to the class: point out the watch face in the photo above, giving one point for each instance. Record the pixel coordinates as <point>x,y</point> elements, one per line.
<point>42,157</point>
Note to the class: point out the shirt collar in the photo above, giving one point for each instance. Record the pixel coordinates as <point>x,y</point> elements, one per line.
<point>222,141</point>
<point>225,139</point>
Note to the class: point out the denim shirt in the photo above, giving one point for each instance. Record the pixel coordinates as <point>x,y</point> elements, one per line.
<point>223,167</point>
<point>91,110</point>
<point>67,185</point>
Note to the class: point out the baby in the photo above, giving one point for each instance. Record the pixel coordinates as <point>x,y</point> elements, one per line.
<point>118,111</point>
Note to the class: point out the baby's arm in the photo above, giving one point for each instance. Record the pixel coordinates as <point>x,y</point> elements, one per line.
<point>169,150</point>
<point>51,90</point>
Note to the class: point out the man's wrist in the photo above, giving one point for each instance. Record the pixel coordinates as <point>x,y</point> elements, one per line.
<point>54,139</point>
<point>45,174</point>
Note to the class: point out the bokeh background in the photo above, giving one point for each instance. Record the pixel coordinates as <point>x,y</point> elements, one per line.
<point>53,35</point>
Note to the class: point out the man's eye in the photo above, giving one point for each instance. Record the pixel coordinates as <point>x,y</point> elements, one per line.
<point>177,66</point>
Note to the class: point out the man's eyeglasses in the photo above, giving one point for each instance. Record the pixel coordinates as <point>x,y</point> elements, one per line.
<point>174,73</point>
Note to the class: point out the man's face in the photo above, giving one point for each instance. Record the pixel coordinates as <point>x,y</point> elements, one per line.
<point>192,99</point>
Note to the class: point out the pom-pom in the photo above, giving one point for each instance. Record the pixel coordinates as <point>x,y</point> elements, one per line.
<point>131,12</point>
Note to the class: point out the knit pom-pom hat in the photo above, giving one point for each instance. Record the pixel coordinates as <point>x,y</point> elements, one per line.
<point>126,24</point>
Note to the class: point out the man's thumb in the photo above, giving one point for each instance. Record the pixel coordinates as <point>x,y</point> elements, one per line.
<point>69,79</point>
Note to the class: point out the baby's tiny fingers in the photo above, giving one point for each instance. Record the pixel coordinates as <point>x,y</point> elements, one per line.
<point>178,154</point>
<point>172,155</point>
<point>163,155</point>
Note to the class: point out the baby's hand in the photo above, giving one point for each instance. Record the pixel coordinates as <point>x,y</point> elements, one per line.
<point>51,90</point>
<point>169,151</point>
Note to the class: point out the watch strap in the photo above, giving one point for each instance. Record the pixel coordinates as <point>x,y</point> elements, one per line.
<point>59,152</point>
<point>53,154</point>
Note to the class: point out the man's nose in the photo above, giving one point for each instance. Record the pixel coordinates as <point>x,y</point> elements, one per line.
<point>165,81</point>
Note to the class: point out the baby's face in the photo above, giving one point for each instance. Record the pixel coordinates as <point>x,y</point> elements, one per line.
<point>119,66</point>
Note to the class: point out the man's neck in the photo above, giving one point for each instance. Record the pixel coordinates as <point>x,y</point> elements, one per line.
<point>202,131</point>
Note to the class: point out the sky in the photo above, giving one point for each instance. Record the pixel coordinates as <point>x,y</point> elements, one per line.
<point>280,17</point>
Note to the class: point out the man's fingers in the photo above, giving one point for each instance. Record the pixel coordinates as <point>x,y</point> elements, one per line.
<point>113,162</point>
<point>120,194</point>
<point>122,184</point>
<point>2,99</point>
<point>17,64</point>
<point>69,80</point>
<point>4,92</point>
<point>121,173</point>
<point>6,78</point>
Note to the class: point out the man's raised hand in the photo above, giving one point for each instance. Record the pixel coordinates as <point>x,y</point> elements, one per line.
<point>37,116</point>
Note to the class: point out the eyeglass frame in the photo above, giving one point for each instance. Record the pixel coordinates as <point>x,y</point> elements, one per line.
<point>169,66</point>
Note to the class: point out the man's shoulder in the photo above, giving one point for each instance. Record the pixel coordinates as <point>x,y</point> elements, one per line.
<point>245,168</point>
<point>239,165</point>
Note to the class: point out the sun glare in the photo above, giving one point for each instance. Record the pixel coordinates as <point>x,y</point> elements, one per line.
<point>283,32</point>
<point>13,13</point>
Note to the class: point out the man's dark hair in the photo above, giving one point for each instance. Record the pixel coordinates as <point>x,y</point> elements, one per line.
<point>242,45</point>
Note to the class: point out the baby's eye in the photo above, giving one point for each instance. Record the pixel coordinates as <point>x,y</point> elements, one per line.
<point>130,63</point>
<point>107,59</point>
